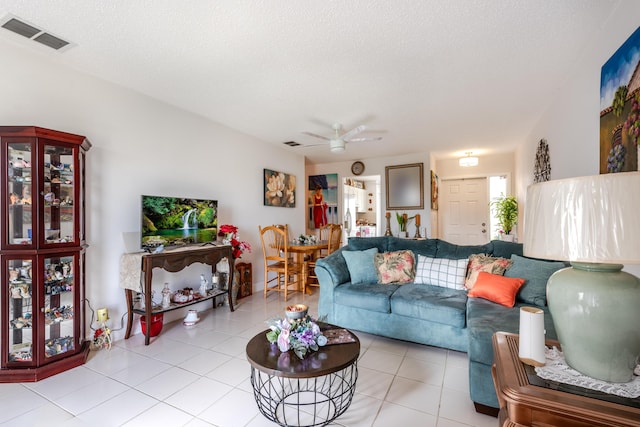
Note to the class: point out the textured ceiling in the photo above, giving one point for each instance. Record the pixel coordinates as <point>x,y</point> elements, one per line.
<point>445,76</point>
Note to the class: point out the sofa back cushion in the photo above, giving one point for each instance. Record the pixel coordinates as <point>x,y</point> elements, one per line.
<point>451,251</point>
<point>395,267</point>
<point>504,249</point>
<point>363,243</point>
<point>425,247</point>
<point>448,273</point>
<point>360,265</point>
<point>537,273</point>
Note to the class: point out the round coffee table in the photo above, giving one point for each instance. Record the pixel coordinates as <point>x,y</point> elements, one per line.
<point>312,391</point>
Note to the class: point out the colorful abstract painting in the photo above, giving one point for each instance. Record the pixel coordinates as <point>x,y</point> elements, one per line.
<point>620,108</point>
<point>279,189</point>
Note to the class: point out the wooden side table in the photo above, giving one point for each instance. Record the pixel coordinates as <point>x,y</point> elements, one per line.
<point>528,400</point>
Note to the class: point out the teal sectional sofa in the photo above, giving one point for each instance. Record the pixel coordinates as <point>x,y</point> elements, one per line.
<point>428,314</point>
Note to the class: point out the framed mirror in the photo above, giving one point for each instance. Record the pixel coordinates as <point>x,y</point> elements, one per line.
<point>405,186</point>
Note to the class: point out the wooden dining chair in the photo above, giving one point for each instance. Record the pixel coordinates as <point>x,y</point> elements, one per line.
<point>332,233</point>
<point>289,275</point>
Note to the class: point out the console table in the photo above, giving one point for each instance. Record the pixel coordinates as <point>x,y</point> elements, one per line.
<point>528,400</point>
<point>174,261</point>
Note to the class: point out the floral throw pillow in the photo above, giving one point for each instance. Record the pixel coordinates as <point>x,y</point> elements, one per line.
<point>488,264</point>
<point>395,267</point>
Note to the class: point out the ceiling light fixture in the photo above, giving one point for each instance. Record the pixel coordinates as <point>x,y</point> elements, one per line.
<point>468,161</point>
<point>336,145</point>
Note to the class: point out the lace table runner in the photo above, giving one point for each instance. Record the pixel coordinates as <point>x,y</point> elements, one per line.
<point>556,369</point>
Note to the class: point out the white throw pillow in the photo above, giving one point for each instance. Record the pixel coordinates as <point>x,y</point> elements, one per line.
<point>448,273</point>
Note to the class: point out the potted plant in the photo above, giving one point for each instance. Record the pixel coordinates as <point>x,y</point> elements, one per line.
<point>506,211</point>
<point>403,221</point>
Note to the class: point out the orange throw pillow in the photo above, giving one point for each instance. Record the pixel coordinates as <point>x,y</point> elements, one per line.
<point>496,288</point>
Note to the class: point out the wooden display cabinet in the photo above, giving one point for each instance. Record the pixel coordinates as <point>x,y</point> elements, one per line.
<point>42,252</point>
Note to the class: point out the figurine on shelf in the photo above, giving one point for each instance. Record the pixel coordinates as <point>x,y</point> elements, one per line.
<point>166,296</point>
<point>204,284</point>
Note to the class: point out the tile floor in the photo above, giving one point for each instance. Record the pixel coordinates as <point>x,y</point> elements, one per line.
<point>199,376</point>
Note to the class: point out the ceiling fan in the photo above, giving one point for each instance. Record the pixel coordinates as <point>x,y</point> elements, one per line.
<point>338,142</point>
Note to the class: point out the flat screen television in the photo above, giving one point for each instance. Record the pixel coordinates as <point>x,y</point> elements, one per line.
<point>174,221</point>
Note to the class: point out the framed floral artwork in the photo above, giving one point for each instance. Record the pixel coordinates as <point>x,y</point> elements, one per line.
<point>279,189</point>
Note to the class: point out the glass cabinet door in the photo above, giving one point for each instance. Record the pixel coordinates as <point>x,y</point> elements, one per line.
<point>20,186</point>
<point>58,194</point>
<point>59,292</point>
<point>20,334</point>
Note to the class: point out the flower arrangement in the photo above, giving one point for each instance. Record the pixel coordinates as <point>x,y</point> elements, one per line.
<point>300,335</point>
<point>310,238</point>
<point>230,236</point>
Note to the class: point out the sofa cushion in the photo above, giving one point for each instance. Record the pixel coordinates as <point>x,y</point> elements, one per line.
<point>419,247</point>
<point>504,249</point>
<point>365,296</point>
<point>431,303</point>
<point>489,264</point>
<point>360,265</point>
<point>484,318</point>
<point>496,288</point>
<point>536,273</point>
<point>395,267</point>
<point>448,273</point>
<point>363,243</point>
<point>451,251</point>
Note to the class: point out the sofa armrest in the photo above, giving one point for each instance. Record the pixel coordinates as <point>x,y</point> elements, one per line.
<point>331,271</point>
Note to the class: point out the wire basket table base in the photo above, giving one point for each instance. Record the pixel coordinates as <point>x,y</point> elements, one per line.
<point>307,402</point>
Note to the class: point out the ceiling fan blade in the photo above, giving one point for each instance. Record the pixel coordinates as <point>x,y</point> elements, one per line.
<point>353,132</point>
<point>365,139</point>
<point>315,135</point>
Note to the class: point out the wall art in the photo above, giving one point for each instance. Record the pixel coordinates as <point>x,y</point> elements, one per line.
<point>322,200</point>
<point>542,167</point>
<point>279,189</point>
<point>620,108</point>
<point>434,191</point>
<point>405,186</point>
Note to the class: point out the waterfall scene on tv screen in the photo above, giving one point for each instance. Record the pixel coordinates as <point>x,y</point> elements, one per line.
<point>173,221</point>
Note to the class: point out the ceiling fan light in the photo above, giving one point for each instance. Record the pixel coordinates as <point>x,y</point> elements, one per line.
<point>468,161</point>
<point>336,145</point>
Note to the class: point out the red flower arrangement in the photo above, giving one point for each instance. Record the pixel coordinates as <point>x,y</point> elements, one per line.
<point>230,232</point>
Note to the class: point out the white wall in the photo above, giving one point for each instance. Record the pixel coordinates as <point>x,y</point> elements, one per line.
<point>142,146</point>
<point>572,122</point>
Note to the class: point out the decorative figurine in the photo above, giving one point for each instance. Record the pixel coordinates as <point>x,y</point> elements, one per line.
<point>204,284</point>
<point>166,296</point>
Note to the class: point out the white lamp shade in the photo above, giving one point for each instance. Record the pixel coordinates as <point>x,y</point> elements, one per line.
<point>585,219</point>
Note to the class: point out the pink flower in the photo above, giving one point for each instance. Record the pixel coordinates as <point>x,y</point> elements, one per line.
<point>283,340</point>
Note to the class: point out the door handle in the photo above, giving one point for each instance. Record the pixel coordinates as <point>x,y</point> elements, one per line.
<point>483,224</point>
<point>484,230</point>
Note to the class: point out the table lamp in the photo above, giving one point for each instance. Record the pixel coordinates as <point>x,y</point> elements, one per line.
<point>593,222</point>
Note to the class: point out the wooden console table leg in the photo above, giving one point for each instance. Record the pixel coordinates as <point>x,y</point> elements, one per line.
<point>129,295</point>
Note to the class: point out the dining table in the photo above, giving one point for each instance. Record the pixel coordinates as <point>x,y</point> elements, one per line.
<point>307,251</point>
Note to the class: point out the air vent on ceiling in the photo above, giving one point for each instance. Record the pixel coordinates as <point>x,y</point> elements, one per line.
<point>31,32</point>
<point>292,143</point>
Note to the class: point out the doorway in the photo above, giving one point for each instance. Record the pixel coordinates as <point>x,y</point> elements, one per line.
<point>361,216</point>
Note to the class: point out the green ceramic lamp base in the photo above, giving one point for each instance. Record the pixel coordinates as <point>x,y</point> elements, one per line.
<point>596,313</point>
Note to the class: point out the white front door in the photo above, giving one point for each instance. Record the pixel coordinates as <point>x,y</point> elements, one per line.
<point>464,211</point>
